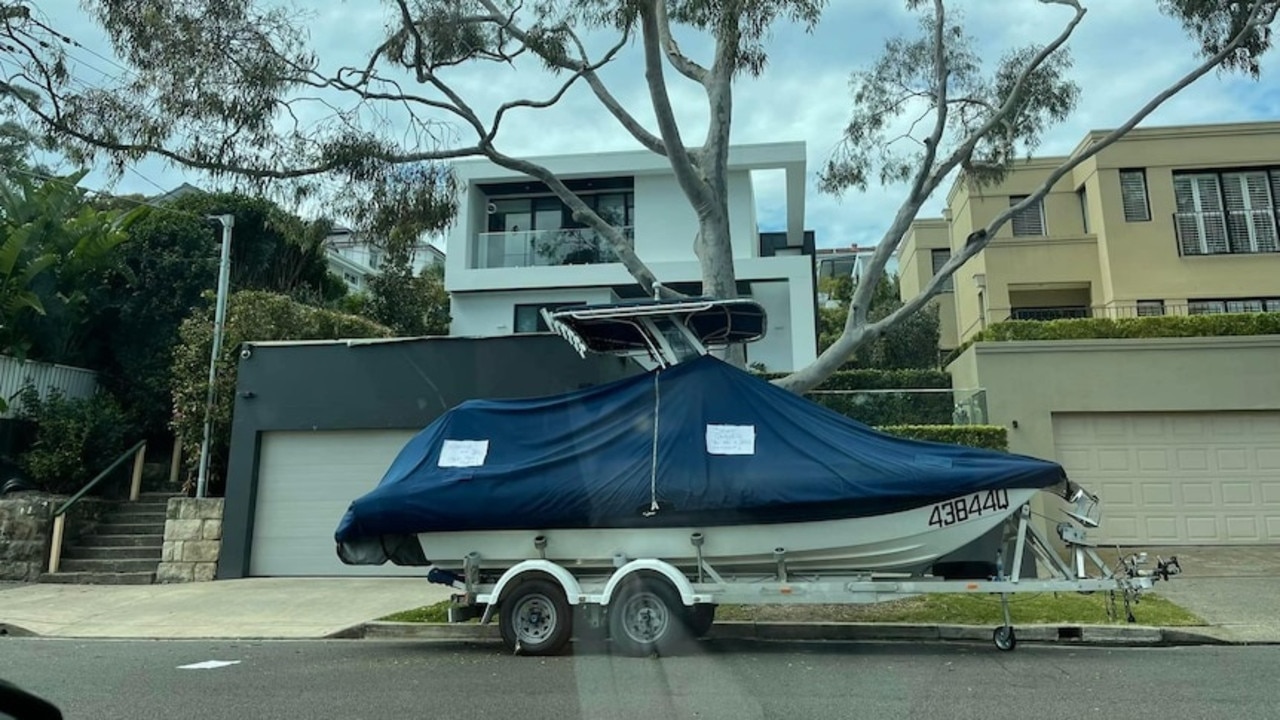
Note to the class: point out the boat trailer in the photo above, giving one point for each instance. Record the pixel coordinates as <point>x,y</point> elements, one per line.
<point>648,605</point>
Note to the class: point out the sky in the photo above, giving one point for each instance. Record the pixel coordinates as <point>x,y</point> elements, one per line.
<point>1125,52</point>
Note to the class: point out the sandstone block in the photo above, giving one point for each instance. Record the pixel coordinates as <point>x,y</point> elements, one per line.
<point>183,529</point>
<point>204,572</point>
<point>174,572</point>
<point>212,529</point>
<point>200,551</point>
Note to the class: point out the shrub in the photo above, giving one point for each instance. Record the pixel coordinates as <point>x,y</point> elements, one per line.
<point>251,316</point>
<point>906,408</point>
<point>1213,325</point>
<point>75,439</point>
<point>991,437</point>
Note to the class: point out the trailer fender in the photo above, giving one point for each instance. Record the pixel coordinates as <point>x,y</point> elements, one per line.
<point>572,590</point>
<point>674,576</point>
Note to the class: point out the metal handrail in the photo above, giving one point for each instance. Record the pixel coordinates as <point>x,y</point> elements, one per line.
<point>139,453</point>
<point>102,475</point>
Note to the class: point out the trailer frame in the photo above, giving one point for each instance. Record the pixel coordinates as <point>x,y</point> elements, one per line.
<point>680,602</point>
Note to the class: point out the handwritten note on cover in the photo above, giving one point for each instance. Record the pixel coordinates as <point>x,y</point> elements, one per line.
<point>731,439</point>
<point>463,453</point>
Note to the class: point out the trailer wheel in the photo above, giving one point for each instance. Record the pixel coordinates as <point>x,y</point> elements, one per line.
<point>535,618</point>
<point>1004,638</point>
<point>647,618</point>
<point>700,618</point>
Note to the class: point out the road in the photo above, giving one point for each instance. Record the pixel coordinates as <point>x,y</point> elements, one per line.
<point>742,681</point>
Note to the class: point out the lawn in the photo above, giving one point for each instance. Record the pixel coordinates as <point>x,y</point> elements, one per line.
<point>1027,609</point>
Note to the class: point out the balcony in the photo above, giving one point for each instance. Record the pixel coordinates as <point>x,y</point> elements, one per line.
<point>1233,232</point>
<point>543,248</point>
<point>1150,308</point>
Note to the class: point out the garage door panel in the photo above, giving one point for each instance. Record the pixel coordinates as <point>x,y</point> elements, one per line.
<point>1173,478</point>
<point>306,481</point>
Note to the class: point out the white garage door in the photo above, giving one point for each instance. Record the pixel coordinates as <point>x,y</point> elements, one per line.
<point>1178,478</point>
<point>306,480</point>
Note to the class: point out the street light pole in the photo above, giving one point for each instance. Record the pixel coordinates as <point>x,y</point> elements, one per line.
<point>219,317</point>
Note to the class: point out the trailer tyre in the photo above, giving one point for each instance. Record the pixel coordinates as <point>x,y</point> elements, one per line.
<point>535,618</point>
<point>700,618</point>
<point>647,618</point>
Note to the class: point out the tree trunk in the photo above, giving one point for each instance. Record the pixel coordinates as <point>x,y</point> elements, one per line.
<point>714,249</point>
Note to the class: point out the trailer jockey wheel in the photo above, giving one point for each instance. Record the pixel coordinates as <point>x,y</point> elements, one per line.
<point>1004,638</point>
<point>535,618</point>
<point>647,618</point>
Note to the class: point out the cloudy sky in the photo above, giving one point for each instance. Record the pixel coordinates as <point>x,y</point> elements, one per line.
<point>1124,52</point>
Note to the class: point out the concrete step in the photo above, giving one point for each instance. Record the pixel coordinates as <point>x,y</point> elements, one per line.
<point>99,578</point>
<point>125,552</point>
<point>121,540</point>
<point>133,517</point>
<point>148,528</point>
<point>108,566</point>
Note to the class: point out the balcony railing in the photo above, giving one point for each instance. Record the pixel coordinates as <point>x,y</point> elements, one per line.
<point>1226,233</point>
<point>1133,310</point>
<point>544,248</point>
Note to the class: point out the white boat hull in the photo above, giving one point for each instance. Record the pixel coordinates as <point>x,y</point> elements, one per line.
<point>908,541</point>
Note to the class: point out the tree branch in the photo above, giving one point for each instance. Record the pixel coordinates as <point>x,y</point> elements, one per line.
<point>861,302</point>
<point>855,334</point>
<point>965,150</point>
<point>981,238</point>
<point>681,62</point>
<point>682,163</point>
<point>628,121</point>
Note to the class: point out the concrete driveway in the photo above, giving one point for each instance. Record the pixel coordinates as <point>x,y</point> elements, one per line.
<point>1236,588</point>
<point>250,608</point>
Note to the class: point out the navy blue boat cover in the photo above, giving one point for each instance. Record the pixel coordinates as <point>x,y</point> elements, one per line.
<point>730,448</point>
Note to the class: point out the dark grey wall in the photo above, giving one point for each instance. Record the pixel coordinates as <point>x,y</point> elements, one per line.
<point>400,385</point>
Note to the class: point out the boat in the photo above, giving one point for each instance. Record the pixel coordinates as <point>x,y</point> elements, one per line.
<point>689,461</point>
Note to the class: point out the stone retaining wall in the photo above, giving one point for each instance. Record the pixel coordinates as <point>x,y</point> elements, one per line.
<point>192,540</point>
<point>26,529</point>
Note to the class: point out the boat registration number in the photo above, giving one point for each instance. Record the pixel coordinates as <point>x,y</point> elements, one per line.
<point>949,513</point>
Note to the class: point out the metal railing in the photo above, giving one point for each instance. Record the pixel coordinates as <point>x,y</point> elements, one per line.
<point>1135,310</point>
<point>1227,233</point>
<point>139,454</point>
<point>543,248</point>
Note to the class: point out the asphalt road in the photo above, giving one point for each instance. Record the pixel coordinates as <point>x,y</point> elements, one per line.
<point>742,681</point>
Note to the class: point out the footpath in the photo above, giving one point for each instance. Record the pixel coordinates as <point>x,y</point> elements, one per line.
<point>1235,590</point>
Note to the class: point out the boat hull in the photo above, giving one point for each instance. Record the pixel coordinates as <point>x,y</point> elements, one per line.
<point>906,542</point>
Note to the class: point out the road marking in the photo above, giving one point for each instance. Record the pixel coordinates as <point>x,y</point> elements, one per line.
<point>208,664</point>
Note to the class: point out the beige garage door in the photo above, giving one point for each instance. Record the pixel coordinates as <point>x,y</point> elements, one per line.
<point>1178,478</point>
<point>306,480</point>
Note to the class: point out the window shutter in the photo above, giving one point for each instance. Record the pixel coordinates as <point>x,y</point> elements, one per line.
<point>940,258</point>
<point>1133,194</point>
<point>1029,221</point>
<point>1202,224</point>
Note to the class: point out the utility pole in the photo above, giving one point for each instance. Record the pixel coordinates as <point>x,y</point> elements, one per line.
<point>219,317</point>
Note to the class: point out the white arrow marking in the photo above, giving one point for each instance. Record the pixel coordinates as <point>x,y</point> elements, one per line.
<point>208,664</point>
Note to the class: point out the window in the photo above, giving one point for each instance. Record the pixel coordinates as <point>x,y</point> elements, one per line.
<point>1150,308</point>
<point>1233,305</point>
<point>1029,221</point>
<point>1133,195</point>
<point>1227,213</point>
<point>529,317</point>
<point>940,257</point>
<point>1083,195</point>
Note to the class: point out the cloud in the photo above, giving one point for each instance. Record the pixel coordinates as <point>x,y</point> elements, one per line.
<point>1124,53</point>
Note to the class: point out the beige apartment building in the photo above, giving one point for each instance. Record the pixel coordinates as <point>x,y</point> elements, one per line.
<point>1169,220</point>
<point>1179,436</point>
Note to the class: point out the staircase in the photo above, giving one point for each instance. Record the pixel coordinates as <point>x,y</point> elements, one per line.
<point>124,548</point>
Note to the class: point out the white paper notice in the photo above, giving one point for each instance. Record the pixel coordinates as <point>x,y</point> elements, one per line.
<point>463,453</point>
<point>731,439</point>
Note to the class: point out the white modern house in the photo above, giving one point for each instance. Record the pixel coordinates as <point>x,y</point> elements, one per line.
<point>353,258</point>
<point>516,248</point>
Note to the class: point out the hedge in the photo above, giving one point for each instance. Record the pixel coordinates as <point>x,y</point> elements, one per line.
<point>251,316</point>
<point>992,437</point>
<point>1210,325</point>
<point>907,408</point>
